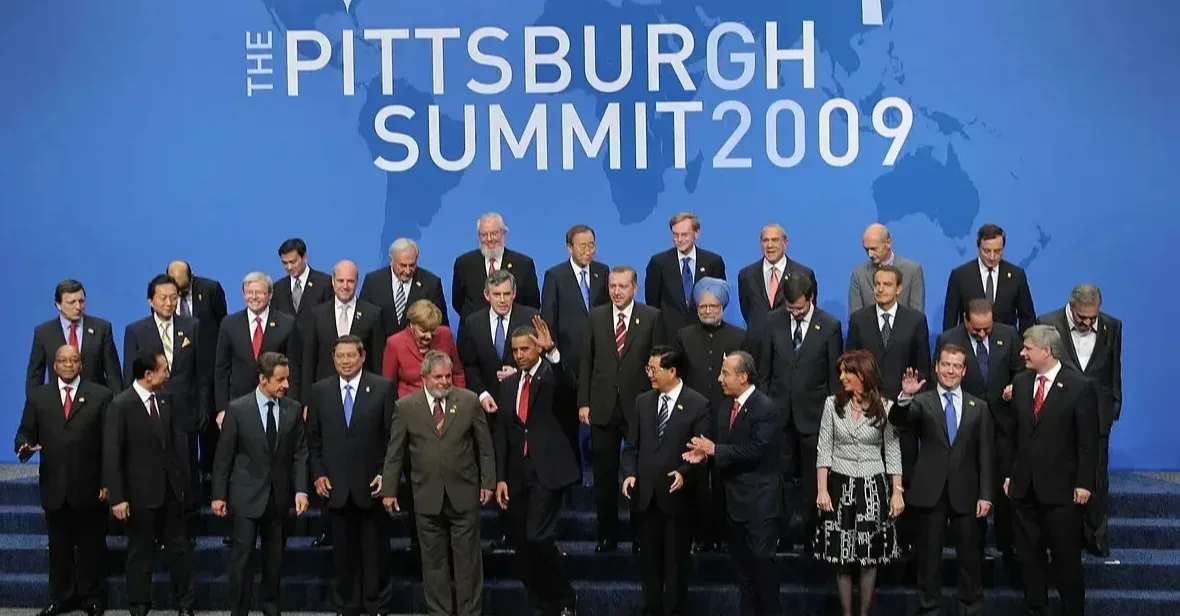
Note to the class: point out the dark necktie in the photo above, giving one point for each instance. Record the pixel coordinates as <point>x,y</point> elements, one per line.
<point>297,295</point>
<point>886,329</point>
<point>272,426</point>
<point>797,339</point>
<point>498,341</point>
<point>185,311</point>
<point>982,357</point>
<point>438,415</point>
<point>154,416</point>
<point>989,288</point>
<point>399,300</point>
<point>665,415</point>
<point>686,280</point>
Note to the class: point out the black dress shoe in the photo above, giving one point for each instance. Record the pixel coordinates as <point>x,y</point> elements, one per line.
<point>53,609</point>
<point>227,541</point>
<point>323,541</point>
<point>606,545</point>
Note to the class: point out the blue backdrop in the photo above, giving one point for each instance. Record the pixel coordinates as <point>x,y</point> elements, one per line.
<point>133,132</point>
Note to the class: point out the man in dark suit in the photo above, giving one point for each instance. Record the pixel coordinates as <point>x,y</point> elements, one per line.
<point>473,268</point>
<point>660,482</point>
<point>1003,284</point>
<point>348,420</point>
<point>760,283</point>
<point>303,288</point>
<point>145,470</point>
<point>92,337</point>
<point>993,360</point>
<point>344,315</point>
<point>952,482</point>
<point>444,433</point>
<point>178,338</point>
<point>260,471</point>
<point>64,421</point>
<point>672,274</point>
<point>612,374</point>
<point>535,463</point>
<point>748,455</point>
<point>204,300</point>
<point>484,338</point>
<point>395,288</point>
<point>1093,342</point>
<point>1051,460</point>
<point>244,337</point>
<point>798,352</point>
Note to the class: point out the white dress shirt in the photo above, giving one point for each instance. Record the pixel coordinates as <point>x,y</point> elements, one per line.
<point>625,311</point>
<point>1083,342</point>
<point>578,269</point>
<point>745,395</point>
<point>956,401</point>
<point>891,311</point>
<point>983,276</point>
<point>355,383</point>
<point>553,356</point>
<point>802,325</point>
<point>672,397</point>
<point>144,396</point>
<point>73,385</point>
<point>780,266</point>
<point>493,319</point>
<point>302,278</point>
<point>1050,375</point>
<point>350,314</point>
<point>265,315</point>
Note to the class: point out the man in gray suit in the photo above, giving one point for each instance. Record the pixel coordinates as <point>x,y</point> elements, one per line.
<point>259,472</point>
<point>453,472</point>
<point>878,245</point>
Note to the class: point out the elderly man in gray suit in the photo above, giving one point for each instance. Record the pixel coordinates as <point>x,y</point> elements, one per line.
<point>878,245</point>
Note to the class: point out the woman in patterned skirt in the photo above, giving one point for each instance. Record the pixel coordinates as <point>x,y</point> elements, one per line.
<point>858,472</point>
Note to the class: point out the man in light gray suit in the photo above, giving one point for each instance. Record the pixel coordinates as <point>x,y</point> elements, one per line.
<point>879,246</point>
<point>453,471</point>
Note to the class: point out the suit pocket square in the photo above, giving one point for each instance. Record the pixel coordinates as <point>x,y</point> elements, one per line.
<point>186,342</point>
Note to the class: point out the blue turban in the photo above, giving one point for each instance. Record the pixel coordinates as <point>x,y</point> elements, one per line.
<point>718,287</point>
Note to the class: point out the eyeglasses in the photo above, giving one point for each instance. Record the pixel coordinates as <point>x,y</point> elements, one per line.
<point>709,307</point>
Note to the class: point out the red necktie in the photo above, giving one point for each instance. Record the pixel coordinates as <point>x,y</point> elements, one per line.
<point>154,411</point>
<point>68,403</point>
<point>256,341</point>
<point>737,406</point>
<point>438,416</point>
<point>522,406</point>
<point>491,266</point>
<point>1039,397</point>
<point>74,336</point>
<point>620,334</point>
<point>773,285</point>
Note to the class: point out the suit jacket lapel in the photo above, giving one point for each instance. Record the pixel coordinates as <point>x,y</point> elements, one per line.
<point>629,337</point>
<point>597,286</point>
<point>1062,326</point>
<point>449,415</point>
<point>759,282</point>
<point>268,333</point>
<point>939,410</point>
<point>814,330</point>
<point>674,276</point>
<point>1100,345</point>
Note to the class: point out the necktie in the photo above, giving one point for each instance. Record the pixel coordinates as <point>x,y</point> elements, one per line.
<point>297,294</point>
<point>522,406</point>
<point>256,340</point>
<point>438,415</point>
<point>989,289</point>
<point>154,416</point>
<point>399,301</point>
<point>952,421</point>
<point>166,339</point>
<point>886,329</point>
<point>348,404</point>
<point>686,280</point>
<point>68,403</point>
<point>185,311</point>
<point>342,321</point>
<point>1039,397</point>
<point>272,426</point>
<point>585,284</point>
<point>620,334</point>
<point>491,266</point>
<point>74,336</point>
<point>665,415</point>
<point>737,406</point>
<point>772,288</point>
<point>498,341</point>
<point>798,337</point>
<point>981,356</point>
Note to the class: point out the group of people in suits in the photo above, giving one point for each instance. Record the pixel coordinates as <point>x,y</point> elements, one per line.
<point>365,404</point>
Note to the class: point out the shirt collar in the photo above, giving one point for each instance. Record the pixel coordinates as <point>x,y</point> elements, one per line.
<point>625,311</point>
<point>351,303</point>
<point>1051,373</point>
<point>430,399</point>
<point>983,267</point>
<point>957,392</point>
<point>141,392</point>
<point>263,399</point>
<point>780,265</point>
<point>691,254</point>
<point>806,318</point>
<point>265,315</point>
<point>302,278</point>
<point>73,385</point>
<point>160,322</point>
<point>355,382</point>
<point>1073,324</point>
<point>578,269</point>
<point>674,395</point>
<point>65,323</point>
<point>745,395</point>
<point>493,317</point>
<point>892,311</point>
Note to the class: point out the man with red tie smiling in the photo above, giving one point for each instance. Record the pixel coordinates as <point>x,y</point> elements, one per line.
<point>91,335</point>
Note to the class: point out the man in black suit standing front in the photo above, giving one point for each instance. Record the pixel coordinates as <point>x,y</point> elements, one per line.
<point>472,269</point>
<point>1094,347</point>
<point>395,288</point>
<point>612,373</point>
<point>344,315</point>
<point>760,283</point>
<point>535,463</point>
<point>244,337</point>
<point>952,482</point>
<point>672,274</point>
<point>1003,284</point>
<point>1051,460</point>
<point>64,421</point>
<point>348,420</point>
<point>92,336</point>
<point>303,288</point>
<point>260,471</point>
<point>748,455</point>
<point>145,470</point>
<point>660,482</point>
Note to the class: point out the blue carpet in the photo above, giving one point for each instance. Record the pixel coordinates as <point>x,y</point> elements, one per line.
<point>1141,577</point>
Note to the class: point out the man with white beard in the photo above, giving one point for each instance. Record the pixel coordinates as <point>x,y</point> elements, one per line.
<point>472,269</point>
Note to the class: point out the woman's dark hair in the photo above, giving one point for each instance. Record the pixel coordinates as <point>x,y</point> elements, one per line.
<point>862,364</point>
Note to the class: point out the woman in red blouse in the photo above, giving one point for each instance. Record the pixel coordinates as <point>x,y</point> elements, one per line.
<point>405,349</point>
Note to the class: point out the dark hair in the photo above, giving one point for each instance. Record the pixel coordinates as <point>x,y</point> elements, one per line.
<point>626,269</point>
<point>796,287</point>
<point>978,305</point>
<point>670,358</point>
<point>350,339</point>
<point>268,361</point>
<point>295,245</point>
<point>522,331</point>
<point>888,268</point>
<point>144,362</point>
<point>861,363</point>
<point>69,285</point>
<point>990,232</point>
<point>159,280</point>
<point>576,229</point>
<point>745,365</point>
<point>953,349</point>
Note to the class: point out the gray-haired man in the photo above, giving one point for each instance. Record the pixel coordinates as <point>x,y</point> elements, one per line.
<point>395,288</point>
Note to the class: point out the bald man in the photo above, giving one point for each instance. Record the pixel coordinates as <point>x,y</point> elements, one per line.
<point>760,283</point>
<point>878,244</point>
<point>343,316</point>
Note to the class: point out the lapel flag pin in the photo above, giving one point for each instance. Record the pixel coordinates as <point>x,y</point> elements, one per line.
<point>366,389</point>
<point>89,330</point>
<point>970,403</point>
<point>1061,385</point>
<point>702,270</point>
<point>509,266</point>
<point>418,283</point>
<point>452,410</point>
<point>637,320</point>
<point>816,328</point>
<point>272,323</point>
<point>679,407</point>
<point>999,343</point>
<point>81,400</point>
<point>359,313</point>
<point>310,283</point>
<point>1009,274</point>
<point>199,297</point>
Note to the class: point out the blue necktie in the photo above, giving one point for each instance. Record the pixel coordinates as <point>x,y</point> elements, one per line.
<point>499,340</point>
<point>952,423</point>
<point>348,401</point>
<point>982,357</point>
<point>686,280</point>
<point>585,290</point>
